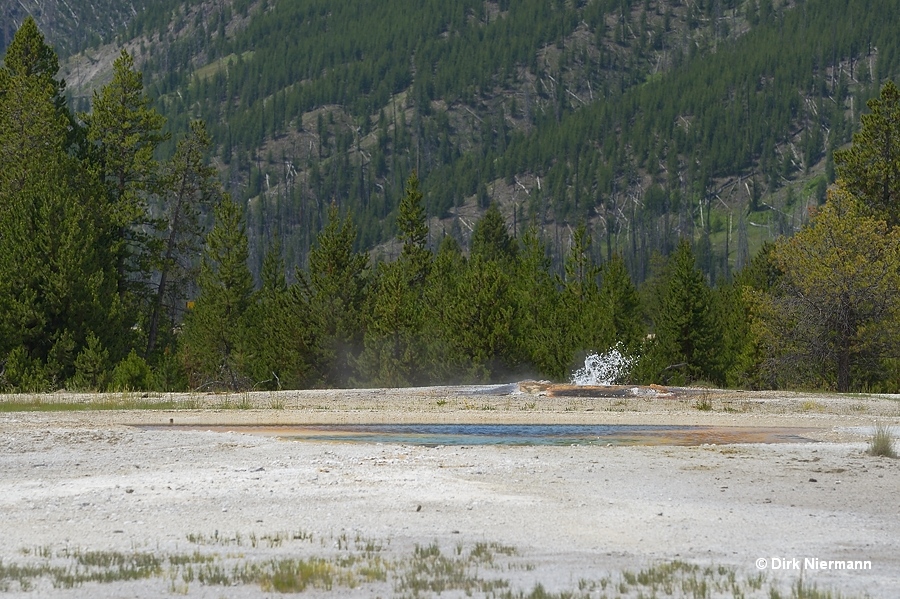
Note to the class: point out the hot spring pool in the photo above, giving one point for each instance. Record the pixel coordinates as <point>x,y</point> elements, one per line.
<point>519,434</point>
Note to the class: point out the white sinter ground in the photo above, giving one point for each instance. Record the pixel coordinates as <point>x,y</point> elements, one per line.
<point>73,483</point>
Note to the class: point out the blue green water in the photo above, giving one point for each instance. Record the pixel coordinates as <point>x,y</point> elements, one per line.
<point>543,434</point>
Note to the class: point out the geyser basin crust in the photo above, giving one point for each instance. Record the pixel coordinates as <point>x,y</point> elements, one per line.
<point>85,480</point>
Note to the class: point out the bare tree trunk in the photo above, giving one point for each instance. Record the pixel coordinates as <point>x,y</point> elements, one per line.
<point>153,333</point>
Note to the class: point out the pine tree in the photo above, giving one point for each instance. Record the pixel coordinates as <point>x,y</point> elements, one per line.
<point>54,275</point>
<point>687,343</point>
<point>335,295</point>
<point>412,231</point>
<point>30,57</point>
<point>621,304</point>
<point>490,239</point>
<point>445,364</point>
<point>34,116</point>
<point>272,340</point>
<point>393,344</point>
<point>188,188</point>
<point>55,289</point>
<point>870,168</point>
<point>541,324</point>
<point>588,323</point>
<point>213,343</point>
<point>125,130</point>
<point>91,367</point>
<point>743,354</point>
<point>482,318</point>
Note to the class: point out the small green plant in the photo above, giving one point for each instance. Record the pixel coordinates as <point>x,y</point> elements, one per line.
<point>293,576</point>
<point>245,402</point>
<point>882,442</point>
<point>812,406</point>
<point>441,403</point>
<point>703,403</point>
<point>302,535</point>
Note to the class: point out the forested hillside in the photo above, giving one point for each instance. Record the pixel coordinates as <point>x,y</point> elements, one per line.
<point>453,191</point>
<point>650,120</point>
<point>73,26</point>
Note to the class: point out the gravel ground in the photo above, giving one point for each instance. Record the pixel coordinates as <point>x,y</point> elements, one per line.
<point>159,511</point>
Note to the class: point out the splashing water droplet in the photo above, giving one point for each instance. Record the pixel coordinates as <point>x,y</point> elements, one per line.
<point>603,369</point>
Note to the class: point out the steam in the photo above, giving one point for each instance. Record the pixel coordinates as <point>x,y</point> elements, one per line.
<point>606,368</point>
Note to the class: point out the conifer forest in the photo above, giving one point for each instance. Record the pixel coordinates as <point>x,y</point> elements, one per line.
<point>278,194</point>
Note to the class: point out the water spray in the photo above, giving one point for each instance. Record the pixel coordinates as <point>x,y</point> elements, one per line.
<point>606,368</point>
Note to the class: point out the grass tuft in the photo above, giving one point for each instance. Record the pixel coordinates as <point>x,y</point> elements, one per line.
<point>882,442</point>
<point>703,403</point>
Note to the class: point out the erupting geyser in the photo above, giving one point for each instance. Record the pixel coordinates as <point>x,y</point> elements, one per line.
<point>603,369</point>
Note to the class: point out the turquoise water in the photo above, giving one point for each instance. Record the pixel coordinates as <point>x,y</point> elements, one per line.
<point>542,434</point>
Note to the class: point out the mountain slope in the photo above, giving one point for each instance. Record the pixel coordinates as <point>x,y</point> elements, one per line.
<point>72,25</point>
<point>650,120</point>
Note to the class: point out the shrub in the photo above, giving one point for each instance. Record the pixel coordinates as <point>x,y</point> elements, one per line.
<point>132,374</point>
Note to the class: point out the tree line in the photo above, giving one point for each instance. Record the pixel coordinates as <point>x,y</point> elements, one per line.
<point>121,271</point>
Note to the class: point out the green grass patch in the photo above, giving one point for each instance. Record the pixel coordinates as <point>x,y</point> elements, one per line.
<point>43,405</point>
<point>703,403</point>
<point>293,576</point>
<point>207,71</point>
<point>882,442</point>
<point>475,570</point>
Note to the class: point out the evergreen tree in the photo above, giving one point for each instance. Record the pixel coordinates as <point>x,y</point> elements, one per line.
<point>446,364</point>
<point>393,344</point>
<point>188,188</point>
<point>54,285</point>
<point>688,343</point>
<point>412,231</point>
<point>541,327</point>
<point>490,240</point>
<point>30,57</point>
<point>335,294</point>
<point>482,319</point>
<point>34,116</point>
<point>587,319</point>
<point>125,130</point>
<point>870,168</point>
<point>54,275</point>
<point>281,334</point>
<point>743,354</point>
<point>621,304</point>
<point>213,343</point>
<point>271,359</point>
<point>91,367</point>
